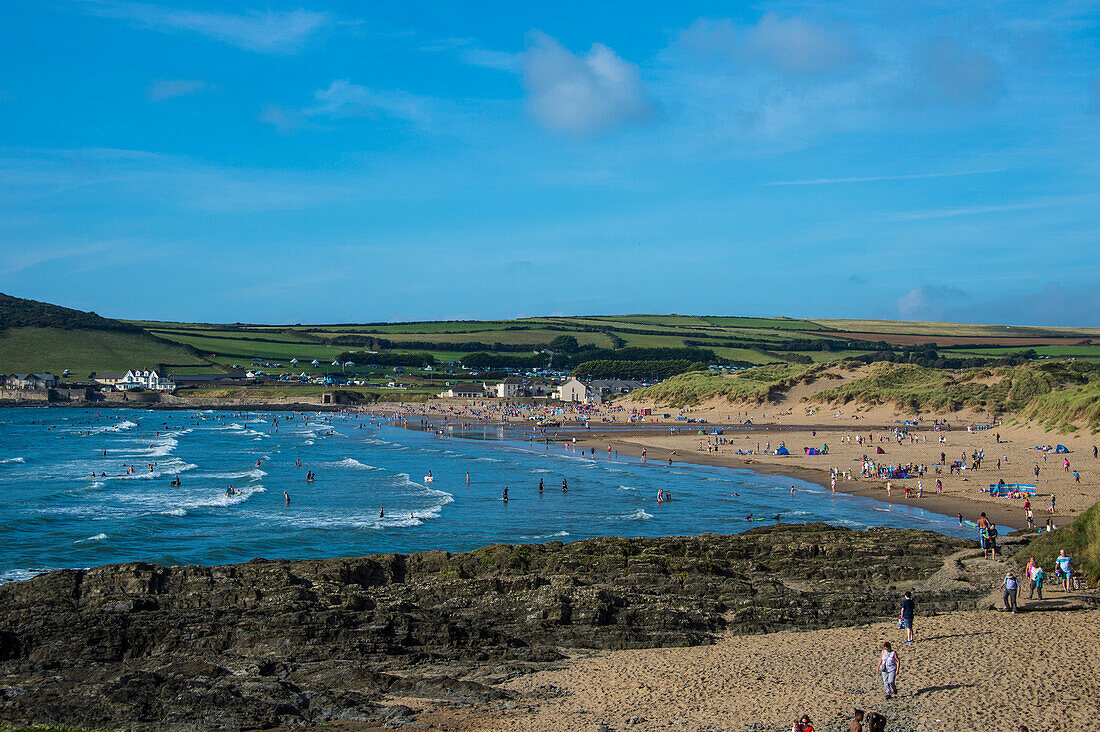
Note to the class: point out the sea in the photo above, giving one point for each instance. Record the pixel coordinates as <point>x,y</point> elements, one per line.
<point>81,487</point>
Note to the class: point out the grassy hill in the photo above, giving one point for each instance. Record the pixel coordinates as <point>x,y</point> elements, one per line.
<point>37,336</point>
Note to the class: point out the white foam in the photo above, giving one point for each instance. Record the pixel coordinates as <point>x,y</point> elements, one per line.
<point>117,427</point>
<point>628,488</point>
<point>22,575</point>
<point>638,514</point>
<point>97,537</point>
<point>11,461</point>
<point>353,464</point>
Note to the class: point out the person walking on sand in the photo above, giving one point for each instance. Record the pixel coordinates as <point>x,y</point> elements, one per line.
<point>908,607</point>
<point>1011,590</point>
<point>1064,563</point>
<point>889,665</point>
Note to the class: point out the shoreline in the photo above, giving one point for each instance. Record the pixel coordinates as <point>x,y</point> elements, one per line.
<point>949,506</point>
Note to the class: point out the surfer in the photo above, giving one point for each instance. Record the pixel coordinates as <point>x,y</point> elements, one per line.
<point>749,517</point>
<point>467,478</point>
<point>257,463</point>
<point>176,483</point>
<point>298,462</point>
<point>505,496</point>
<point>540,486</point>
<point>564,485</point>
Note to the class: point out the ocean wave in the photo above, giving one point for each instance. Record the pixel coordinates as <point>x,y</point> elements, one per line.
<point>353,464</point>
<point>97,537</point>
<point>628,488</point>
<point>488,460</point>
<point>308,442</point>
<point>21,575</point>
<point>12,461</point>
<point>254,474</point>
<point>638,514</point>
<point>117,427</point>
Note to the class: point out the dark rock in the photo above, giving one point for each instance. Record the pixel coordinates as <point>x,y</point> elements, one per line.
<point>284,643</point>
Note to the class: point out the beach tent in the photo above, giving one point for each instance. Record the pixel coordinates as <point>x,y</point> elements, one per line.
<point>880,451</point>
<point>812,451</point>
<point>1061,448</point>
<point>782,450</point>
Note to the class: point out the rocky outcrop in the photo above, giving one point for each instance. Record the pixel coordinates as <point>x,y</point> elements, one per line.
<point>293,642</point>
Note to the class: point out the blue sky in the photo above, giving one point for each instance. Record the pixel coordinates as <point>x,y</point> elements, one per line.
<point>339,162</point>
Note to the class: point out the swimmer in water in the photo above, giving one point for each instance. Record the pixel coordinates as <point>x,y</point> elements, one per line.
<point>792,490</point>
<point>749,517</point>
<point>286,496</point>
<point>505,496</point>
<point>381,513</point>
<point>564,485</point>
<point>467,479</point>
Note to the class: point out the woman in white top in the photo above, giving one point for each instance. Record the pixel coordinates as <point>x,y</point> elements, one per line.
<point>889,664</point>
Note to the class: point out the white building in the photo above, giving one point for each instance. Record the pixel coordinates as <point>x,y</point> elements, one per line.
<point>571,391</point>
<point>144,379</point>
<point>510,387</point>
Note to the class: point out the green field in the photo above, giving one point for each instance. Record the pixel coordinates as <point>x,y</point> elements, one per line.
<point>84,351</point>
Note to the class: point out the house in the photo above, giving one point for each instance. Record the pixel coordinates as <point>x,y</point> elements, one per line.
<point>468,390</point>
<point>144,379</point>
<point>602,388</point>
<point>510,387</point>
<point>108,380</point>
<point>31,381</point>
<point>572,391</point>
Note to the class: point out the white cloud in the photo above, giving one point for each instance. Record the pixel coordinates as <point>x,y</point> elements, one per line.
<point>342,98</point>
<point>878,178</point>
<point>931,303</point>
<point>581,94</point>
<point>162,89</point>
<point>797,45</point>
<point>794,45</point>
<point>946,72</point>
<point>270,31</point>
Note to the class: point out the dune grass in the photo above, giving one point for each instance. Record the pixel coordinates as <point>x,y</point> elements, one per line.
<point>1080,539</point>
<point>998,390</point>
<point>1065,409</point>
<point>756,384</point>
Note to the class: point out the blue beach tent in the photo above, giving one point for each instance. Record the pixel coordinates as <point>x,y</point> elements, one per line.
<point>782,451</point>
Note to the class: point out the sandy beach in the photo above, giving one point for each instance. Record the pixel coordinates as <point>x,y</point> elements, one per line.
<point>967,670</point>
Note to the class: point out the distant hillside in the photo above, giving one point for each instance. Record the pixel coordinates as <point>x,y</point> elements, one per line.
<point>15,312</point>
<point>37,336</point>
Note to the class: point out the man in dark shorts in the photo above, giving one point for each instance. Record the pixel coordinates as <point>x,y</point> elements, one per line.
<point>908,607</point>
<point>983,526</point>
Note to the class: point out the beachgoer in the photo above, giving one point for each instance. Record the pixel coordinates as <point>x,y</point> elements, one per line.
<point>889,665</point>
<point>1010,591</point>
<point>381,513</point>
<point>856,725</point>
<point>505,496</point>
<point>908,607</point>
<point>564,485</point>
<point>1037,576</point>
<point>991,533</point>
<point>286,496</point>
<point>803,724</point>
<point>1064,563</point>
